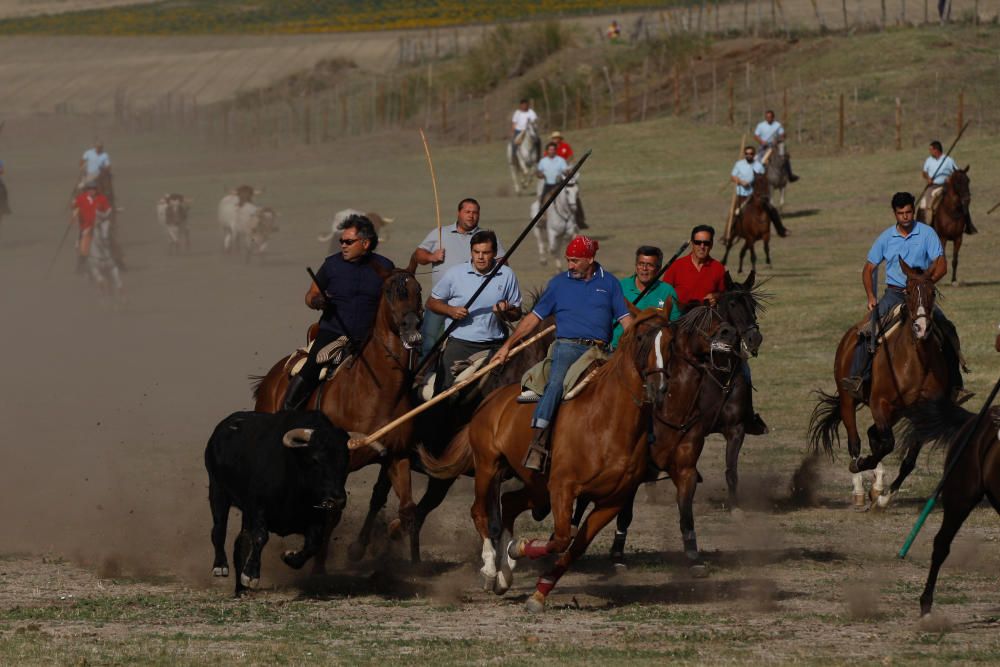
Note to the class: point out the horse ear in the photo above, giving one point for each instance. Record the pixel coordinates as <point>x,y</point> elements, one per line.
<point>748,284</point>
<point>966,170</point>
<point>412,266</point>
<point>632,308</point>
<point>729,281</point>
<point>907,269</point>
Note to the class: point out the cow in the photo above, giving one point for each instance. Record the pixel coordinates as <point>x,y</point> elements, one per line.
<point>172,212</point>
<point>336,226</point>
<point>261,224</point>
<point>286,472</point>
<point>236,213</point>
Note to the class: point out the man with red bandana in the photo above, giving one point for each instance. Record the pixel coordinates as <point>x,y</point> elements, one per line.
<point>586,301</point>
<point>87,206</point>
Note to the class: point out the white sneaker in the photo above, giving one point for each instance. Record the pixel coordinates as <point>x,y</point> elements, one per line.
<point>528,396</point>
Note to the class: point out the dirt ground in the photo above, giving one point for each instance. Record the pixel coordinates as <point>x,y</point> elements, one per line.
<point>106,556</point>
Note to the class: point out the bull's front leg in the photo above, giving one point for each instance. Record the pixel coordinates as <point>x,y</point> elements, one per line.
<point>314,538</point>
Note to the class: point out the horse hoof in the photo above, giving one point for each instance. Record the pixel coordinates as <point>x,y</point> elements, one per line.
<point>248,582</point>
<point>699,571</point>
<point>489,582</point>
<point>955,283</point>
<point>501,584</point>
<point>883,501</point>
<point>220,571</point>
<point>536,603</point>
<point>859,502</point>
<point>395,529</point>
<point>356,551</point>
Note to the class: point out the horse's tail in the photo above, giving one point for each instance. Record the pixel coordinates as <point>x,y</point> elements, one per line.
<point>825,423</point>
<point>455,460</point>
<point>940,422</point>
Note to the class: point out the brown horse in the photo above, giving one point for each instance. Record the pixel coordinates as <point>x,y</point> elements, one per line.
<point>753,223</point>
<point>599,455</point>
<point>952,218</point>
<point>372,389</point>
<point>907,368</point>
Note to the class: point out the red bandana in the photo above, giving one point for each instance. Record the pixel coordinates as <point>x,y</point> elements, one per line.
<point>582,246</point>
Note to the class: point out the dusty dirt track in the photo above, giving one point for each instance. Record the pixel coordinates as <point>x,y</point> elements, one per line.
<point>106,414</point>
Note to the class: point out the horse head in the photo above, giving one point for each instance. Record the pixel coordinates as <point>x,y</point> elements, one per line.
<point>959,180</point>
<point>705,336</point>
<point>920,292</point>
<point>739,306</point>
<point>403,305</point>
<point>647,343</point>
<point>761,187</point>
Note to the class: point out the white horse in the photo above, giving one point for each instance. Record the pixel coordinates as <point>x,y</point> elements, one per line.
<point>523,154</point>
<point>560,224</point>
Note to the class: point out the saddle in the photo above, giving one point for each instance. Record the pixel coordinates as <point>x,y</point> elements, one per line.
<point>577,377</point>
<point>461,370</point>
<point>331,358</point>
<point>890,324</point>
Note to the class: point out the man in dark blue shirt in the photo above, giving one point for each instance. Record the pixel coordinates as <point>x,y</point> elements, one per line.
<point>348,292</point>
<point>586,301</point>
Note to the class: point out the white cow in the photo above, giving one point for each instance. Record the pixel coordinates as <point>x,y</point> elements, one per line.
<point>236,211</point>
<point>336,226</point>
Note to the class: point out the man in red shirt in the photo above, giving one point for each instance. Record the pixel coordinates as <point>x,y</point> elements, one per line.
<point>698,278</point>
<point>87,206</point>
<point>563,149</point>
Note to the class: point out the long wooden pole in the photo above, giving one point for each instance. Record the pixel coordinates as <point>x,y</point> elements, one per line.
<point>358,442</point>
<point>434,183</point>
<point>732,203</point>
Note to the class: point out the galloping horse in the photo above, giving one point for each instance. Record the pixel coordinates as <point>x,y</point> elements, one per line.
<point>707,395</point>
<point>105,185</point>
<point>952,218</point>
<point>753,224</point>
<point>907,368</point>
<point>372,389</point>
<point>560,225</point>
<point>523,154</point>
<point>599,455</point>
<point>777,174</point>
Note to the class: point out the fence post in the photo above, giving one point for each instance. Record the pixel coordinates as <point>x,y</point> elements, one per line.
<point>731,85</point>
<point>565,107</point>
<point>579,108</point>
<point>677,90</point>
<point>307,120</point>
<point>843,6</point>
<point>628,99</point>
<point>899,124</point>
<point>444,106</point>
<point>611,94</point>
<point>840,123</point>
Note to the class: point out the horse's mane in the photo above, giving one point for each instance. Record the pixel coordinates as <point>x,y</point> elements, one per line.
<point>697,318</point>
<point>625,353</point>
<point>255,382</point>
<point>759,297</point>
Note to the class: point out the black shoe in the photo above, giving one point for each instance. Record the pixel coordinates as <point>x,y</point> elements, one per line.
<point>755,426</point>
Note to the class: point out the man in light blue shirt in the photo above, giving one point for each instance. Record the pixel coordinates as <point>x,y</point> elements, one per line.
<point>551,169</point>
<point>918,245</point>
<point>770,134</point>
<point>744,172</point>
<point>937,168</point>
<point>452,251</point>
<point>93,161</point>
<point>481,325</point>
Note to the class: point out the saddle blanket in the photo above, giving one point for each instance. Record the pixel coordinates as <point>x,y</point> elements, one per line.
<point>537,376</point>
<point>331,358</point>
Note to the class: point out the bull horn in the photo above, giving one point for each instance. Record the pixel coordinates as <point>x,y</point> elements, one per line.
<point>357,441</point>
<point>388,221</point>
<point>297,437</point>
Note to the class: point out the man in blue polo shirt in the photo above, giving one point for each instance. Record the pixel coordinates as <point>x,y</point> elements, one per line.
<point>481,326</point>
<point>937,169</point>
<point>551,169</point>
<point>452,251</point>
<point>586,302</point>
<point>348,293</point>
<point>648,260</point>
<point>917,245</point>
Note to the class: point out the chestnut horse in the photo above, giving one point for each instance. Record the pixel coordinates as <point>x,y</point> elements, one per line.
<point>599,455</point>
<point>753,223</point>
<point>907,368</point>
<point>708,394</point>
<point>372,389</point>
<point>952,218</point>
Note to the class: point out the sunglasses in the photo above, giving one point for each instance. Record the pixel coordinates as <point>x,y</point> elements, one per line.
<point>348,242</point>
<point>702,243</point>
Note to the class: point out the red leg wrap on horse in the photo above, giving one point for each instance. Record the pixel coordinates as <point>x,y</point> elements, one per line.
<point>548,581</point>
<point>536,549</point>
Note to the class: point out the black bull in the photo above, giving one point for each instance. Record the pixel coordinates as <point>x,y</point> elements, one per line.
<point>286,473</point>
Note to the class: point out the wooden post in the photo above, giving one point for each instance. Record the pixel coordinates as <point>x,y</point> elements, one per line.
<point>468,112</point>
<point>677,90</point>
<point>628,99</point>
<point>579,108</point>
<point>730,84</point>
<point>961,110</point>
<point>926,15</point>
<point>593,103</point>
<point>611,94</point>
<point>882,24</point>
<point>899,124</point>
<point>306,121</point>
<point>847,26</point>
<point>715,91</point>
<point>840,123</point>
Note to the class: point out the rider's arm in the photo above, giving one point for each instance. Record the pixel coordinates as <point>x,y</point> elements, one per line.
<point>524,327</point>
<point>868,280</point>
<point>626,322</point>
<point>442,308</point>
<point>425,257</point>
<point>314,298</point>
<point>939,268</point>
<point>736,179</point>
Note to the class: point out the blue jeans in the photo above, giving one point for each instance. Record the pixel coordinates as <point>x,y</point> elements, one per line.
<point>564,355</point>
<point>431,329</point>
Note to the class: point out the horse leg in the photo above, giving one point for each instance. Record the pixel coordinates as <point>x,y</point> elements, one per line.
<point>436,491</point>
<point>743,253</point>
<point>956,246</point>
<point>767,249</point>
<point>399,476</point>
<point>881,443</point>
<point>623,522</point>
<point>686,481</point>
<point>906,466</point>
<point>487,490</point>
<point>543,255</point>
<point>592,525</point>
<point>380,494</point>
<point>729,245</point>
<point>849,417</point>
<point>955,513</point>
<point>512,505</point>
<point>734,443</point>
<point>753,255</point>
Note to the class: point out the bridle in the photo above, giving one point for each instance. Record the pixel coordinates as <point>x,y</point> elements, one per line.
<point>397,289</point>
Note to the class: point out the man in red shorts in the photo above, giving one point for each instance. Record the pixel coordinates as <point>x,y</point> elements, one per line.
<point>698,278</point>
<point>87,206</point>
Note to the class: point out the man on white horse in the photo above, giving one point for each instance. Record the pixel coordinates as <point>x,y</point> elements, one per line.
<point>771,136</point>
<point>551,170</point>
<point>523,116</point>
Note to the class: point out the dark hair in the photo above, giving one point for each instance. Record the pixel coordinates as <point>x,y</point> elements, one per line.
<point>524,100</point>
<point>901,199</point>
<point>484,236</point>
<point>703,228</point>
<point>937,145</point>
<point>551,144</point>
<point>750,148</point>
<point>364,228</point>
<point>649,251</point>
<point>467,200</point>
<point>769,111</point>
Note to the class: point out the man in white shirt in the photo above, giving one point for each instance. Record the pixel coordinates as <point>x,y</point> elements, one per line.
<point>523,116</point>
<point>92,162</point>
<point>937,168</point>
<point>770,135</point>
<point>743,174</point>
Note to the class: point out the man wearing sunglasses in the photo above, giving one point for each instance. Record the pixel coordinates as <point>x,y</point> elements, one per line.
<point>348,292</point>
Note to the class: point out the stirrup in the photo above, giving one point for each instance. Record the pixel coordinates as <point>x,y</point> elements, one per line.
<point>854,386</point>
<point>528,396</point>
<point>537,457</point>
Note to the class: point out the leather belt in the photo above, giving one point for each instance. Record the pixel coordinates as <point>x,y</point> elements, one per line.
<point>590,342</point>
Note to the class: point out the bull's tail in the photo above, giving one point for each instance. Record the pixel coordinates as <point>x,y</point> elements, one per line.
<point>825,423</point>
<point>455,460</point>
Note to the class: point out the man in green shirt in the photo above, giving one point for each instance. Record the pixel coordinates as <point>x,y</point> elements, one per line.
<point>648,260</point>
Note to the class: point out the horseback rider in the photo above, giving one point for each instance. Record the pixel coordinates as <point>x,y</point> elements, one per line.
<point>918,245</point>
<point>523,116</point>
<point>88,206</point>
<point>481,326</point>
<point>348,289</point>
<point>453,251</point>
<point>551,169</point>
<point>94,160</point>
<point>586,302</point>
<point>938,168</point>
<point>770,135</point>
<point>700,278</point>
<point>744,173</point>
<point>648,260</point>
<point>563,149</point>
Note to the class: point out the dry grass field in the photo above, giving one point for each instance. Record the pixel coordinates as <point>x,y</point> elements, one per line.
<point>105,554</point>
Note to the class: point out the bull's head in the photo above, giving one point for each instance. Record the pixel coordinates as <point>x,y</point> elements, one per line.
<point>326,464</point>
